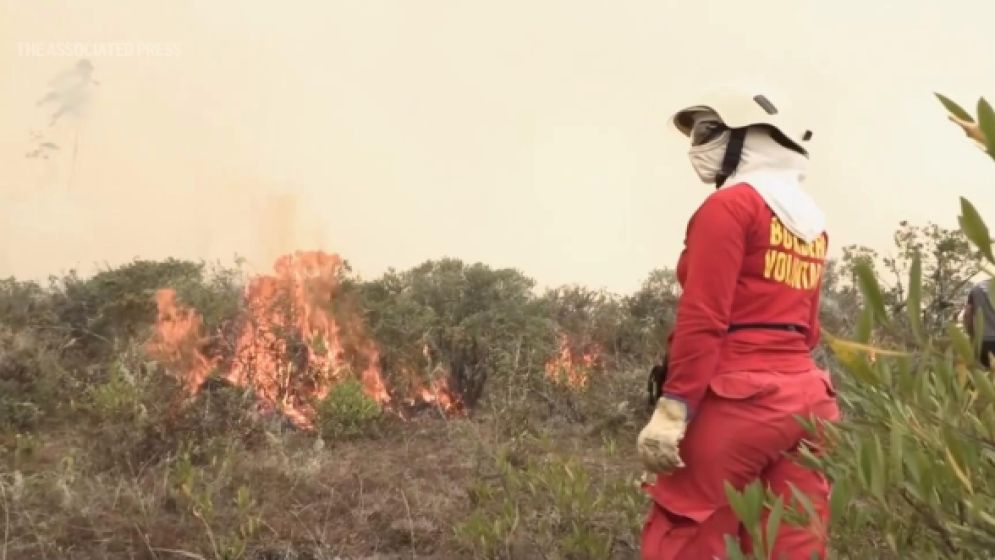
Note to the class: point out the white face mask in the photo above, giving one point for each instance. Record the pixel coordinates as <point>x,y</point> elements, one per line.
<point>706,159</point>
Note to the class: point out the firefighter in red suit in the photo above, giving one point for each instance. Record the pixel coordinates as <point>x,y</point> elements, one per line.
<point>739,368</point>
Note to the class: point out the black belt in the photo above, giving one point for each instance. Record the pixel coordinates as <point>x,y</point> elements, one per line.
<point>769,326</point>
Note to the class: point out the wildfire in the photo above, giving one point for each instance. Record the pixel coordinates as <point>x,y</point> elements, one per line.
<point>294,341</point>
<point>177,341</point>
<point>571,366</point>
<point>438,394</point>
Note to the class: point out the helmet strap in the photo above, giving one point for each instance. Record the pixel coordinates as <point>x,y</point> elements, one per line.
<point>734,151</point>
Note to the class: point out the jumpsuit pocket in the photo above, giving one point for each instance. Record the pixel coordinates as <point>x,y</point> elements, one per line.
<point>826,404</point>
<point>827,381</point>
<point>740,386</point>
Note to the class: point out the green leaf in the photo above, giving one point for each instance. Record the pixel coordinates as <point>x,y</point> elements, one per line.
<point>774,522</point>
<point>983,383</point>
<point>975,229</point>
<point>896,446</point>
<point>954,109</point>
<point>865,324</point>
<point>871,290</point>
<point>735,501</point>
<point>806,502</point>
<point>864,456</point>
<point>892,543</point>
<point>839,500</point>
<point>987,518</point>
<point>914,304</point>
<point>961,343</point>
<point>733,551</point>
<point>979,328</point>
<point>878,470</point>
<point>986,122</point>
<point>927,470</point>
<point>988,421</point>
<point>883,370</point>
<point>959,472</point>
<point>754,504</point>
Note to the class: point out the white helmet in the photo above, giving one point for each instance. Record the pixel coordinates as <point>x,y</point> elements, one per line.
<point>741,109</point>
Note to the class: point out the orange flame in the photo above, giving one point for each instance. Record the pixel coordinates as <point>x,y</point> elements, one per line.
<point>571,367</point>
<point>297,301</point>
<point>176,341</point>
<point>293,344</point>
<point>438,393</point>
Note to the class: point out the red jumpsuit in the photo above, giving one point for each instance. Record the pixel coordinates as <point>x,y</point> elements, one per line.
<point>743,387</point>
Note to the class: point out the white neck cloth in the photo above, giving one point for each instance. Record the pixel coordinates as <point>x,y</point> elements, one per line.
<point>776,173</point>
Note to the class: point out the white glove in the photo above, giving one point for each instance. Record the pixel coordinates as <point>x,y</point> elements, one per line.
<point>658,441</point>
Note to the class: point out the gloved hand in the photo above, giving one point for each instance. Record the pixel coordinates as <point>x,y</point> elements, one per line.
<point>658,441</point>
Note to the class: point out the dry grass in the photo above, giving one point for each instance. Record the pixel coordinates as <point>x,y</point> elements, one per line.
<point>400,491</point>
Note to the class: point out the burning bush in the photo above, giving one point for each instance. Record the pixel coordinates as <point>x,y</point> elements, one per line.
<point>104,312</point>
<point>298,337</point>
<point>467,323</point>
<point>572,366</point>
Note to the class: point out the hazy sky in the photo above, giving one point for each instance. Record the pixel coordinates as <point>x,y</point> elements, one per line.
<point>528,134</point>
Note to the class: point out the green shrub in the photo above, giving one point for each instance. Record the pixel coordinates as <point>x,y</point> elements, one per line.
<point>552,507</point>
<point>119,398</point>
<point>117,305</point>
<point>649,315</point>
<point>138,414</point>
<point>347,412</point>
<point>33,384</point>
<point>26,305</point>
<point>484,325</point>
<point>124,410</point>
<point>227,515</point>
